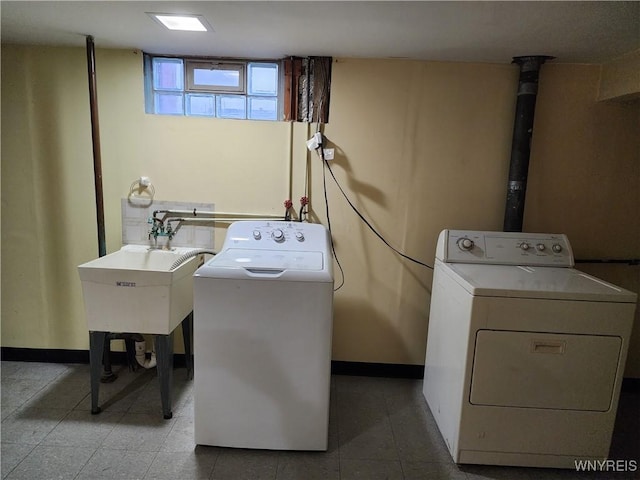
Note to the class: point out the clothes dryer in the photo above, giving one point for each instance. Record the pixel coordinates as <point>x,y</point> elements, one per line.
<point>525,354</point>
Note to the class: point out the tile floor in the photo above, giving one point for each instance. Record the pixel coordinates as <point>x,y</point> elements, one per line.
<point>380,428</point>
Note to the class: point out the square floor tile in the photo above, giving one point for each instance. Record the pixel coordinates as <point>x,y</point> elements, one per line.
<point>12,454</point>
<point>364,430</point>
<point>374,442</point>
<point>43,371</point>
<point>82,429</point>
<point>492,472</point>
<point>30,425</point>
<point>16,392</point>
<point>139,432</point>
<point>7,410</point>
<point>308,465</point>
<point>150,401</point>
<point>51,462</point>
<point>117,464</point>
<point>370,470</point>
<point>119,395</point>
<point>246,465</point>
<point>10,369</point>
<point>181,437</point>
<point>432,471</point>
<point>417,436</point>
<point>59,395</point>
<point>196,464</point>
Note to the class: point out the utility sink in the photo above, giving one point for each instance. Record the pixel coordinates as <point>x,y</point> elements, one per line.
<point>135,290</point>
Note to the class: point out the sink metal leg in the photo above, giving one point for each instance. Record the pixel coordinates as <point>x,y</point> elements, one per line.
<point>107,374</point>
<point>164,358</point>
<point>96,354</point>
<point>187,329</point>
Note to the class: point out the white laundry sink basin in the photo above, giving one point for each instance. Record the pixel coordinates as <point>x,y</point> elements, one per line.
<point>135,290</point>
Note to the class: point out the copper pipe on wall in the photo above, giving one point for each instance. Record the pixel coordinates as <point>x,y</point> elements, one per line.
<point>95,136</point>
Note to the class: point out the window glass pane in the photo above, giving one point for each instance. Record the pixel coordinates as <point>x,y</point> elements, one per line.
<point>201,105</point>
<point>168,74</point>
<point>168,103</point>
<point>263,108</point>
<point>263,79</point>
<point>216,78</point>
<point>231,106</point>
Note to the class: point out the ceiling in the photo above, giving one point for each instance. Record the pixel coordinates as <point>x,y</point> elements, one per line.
<point>477,31</point>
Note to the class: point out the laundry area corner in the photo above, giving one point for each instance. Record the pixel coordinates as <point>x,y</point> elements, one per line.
<point>358,240</point>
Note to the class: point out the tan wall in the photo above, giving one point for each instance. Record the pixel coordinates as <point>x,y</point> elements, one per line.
<point>421,146</point>
<point>48,200</point>
<point>584,177</point>
<point>620,78</point>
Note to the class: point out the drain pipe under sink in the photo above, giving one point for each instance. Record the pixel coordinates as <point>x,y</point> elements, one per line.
<point>141,357</point>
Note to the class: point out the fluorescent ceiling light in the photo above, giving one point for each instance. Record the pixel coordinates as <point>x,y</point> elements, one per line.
<point>187,23</point>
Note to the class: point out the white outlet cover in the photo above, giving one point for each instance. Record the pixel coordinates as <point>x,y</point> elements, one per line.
<point>328,153</point>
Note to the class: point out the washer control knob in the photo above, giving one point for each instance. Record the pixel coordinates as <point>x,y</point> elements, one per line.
<point>465,244</point>
<point>540,247</point>
<point>556,247</point>
<point>257,235</point>
<point>300,236</point>
<point>278,235</point>
<point>524,246</point>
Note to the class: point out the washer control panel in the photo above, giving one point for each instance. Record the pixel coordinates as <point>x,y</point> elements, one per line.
<point>276,235</point>
<point>504,248</point>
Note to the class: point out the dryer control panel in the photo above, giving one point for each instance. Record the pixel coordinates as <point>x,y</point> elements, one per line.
<point>504,248</point>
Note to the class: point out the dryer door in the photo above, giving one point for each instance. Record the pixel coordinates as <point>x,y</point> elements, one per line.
<point>541,370</point>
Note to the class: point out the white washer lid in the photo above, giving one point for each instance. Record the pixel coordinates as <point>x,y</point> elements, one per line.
<point>239,263</point>
<point>268,259</point>
<point>536,282</point>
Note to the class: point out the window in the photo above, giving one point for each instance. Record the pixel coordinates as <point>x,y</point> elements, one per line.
<point>216,76</point>
<point>213,88</point>
<point>292,89</point>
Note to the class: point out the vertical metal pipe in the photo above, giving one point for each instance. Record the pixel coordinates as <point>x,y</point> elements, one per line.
<point>99,350</point>
<point>521,143</point>
<point>95,135</point>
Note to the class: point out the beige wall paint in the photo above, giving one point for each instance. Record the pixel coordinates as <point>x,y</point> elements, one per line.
<point>421,146</point>
<point>46,195</point>
<point>48,200</point>
<point>620,78</point>
<point>584,177</point>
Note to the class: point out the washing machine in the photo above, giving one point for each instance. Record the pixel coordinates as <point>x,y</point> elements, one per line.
<point>525,354</point>
<point>263,316</point>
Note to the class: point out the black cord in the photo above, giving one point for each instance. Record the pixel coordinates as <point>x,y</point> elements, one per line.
<point>326,206</point>
<point>367,223</point>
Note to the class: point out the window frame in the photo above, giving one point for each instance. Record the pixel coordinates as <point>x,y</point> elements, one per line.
<point>238,64</point>
<point>190,65</point>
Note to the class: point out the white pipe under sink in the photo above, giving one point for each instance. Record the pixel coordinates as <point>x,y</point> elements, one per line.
<point>141,355</point>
